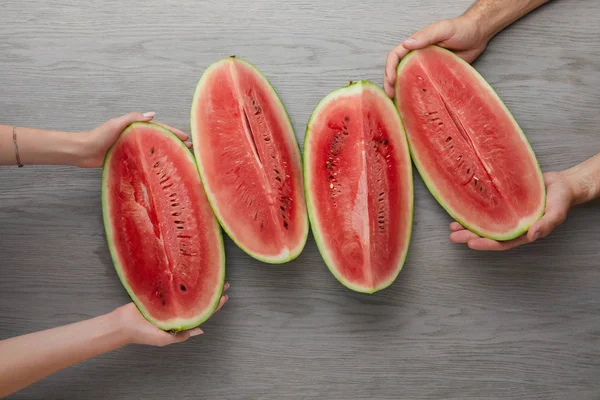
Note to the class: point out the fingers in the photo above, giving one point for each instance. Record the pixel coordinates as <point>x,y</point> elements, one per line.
<point>120,123</point>
<point>224,298</point>
<point>484,244</point>
<point>558,202</point>
<point>455,226</point>
<point>166,338</point>
<point>195,332</point>
<point>179,133</point>
<point>180,336</point>
<point>432,34</point>
<point>475,242</point>
<point>123,121</point>
<point>393,59</point>
<point>183,335</point>
<point>542,228</point>
<point>557,206</point>
<point>222,302</point>
<point>462,236</point>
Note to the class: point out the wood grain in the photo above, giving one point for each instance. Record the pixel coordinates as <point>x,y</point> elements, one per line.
<point>456,324</point>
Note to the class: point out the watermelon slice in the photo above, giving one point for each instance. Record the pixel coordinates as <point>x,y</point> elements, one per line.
<point>249,161</point>
<point>467,147</point>
<point>359,188</point>
<point>164,240</point>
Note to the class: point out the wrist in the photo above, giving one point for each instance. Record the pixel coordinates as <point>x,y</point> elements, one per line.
<point>121,325</point>
<point>493,16</point>
<point>77,148</point>
<point>40,147</point>
<point>582,189</point>
<point>482,23</point>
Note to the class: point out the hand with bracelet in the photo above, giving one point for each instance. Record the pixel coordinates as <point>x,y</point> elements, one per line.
<point>27,146</point>
<point>467,36</point>
<point>29,358</point>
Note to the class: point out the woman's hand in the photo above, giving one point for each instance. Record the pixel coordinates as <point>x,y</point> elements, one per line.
<point>140,331</point>
<point>560,197</point>
<point>31,357</point>
<point>463,35</point>
<point>95,143</point>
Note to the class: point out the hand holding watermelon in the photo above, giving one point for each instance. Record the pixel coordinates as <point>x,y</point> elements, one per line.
<point>29,358</point>
<point>466,35</point>
<point>558,202</point>
<point>565,189</point>
<point>140,331</point>
<point>463,35</point>
<point>83,149</point>
<point>96,143</point>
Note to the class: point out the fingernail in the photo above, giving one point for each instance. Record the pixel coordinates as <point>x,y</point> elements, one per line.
<point>410,41</point>
<point>196,332</point>
<point>536,236</point>
<point>226,297</point>
<point>149,114</point>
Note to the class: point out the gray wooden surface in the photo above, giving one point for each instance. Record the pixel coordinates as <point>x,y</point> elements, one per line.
<point>456,324</point>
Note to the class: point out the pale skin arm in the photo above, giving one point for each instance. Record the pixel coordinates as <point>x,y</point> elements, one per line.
<point>83,149</point>
<point>467,35</point>
<point>29,358</point>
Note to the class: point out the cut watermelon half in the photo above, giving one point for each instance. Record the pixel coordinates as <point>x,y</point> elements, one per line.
<point>359,188</point>
<point>249,161</point>
<point>469,150</point>
<point>164,240</point>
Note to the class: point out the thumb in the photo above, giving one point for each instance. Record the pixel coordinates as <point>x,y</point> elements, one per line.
<point>123,121</point>
<point>432,34</point>
<point>546,224</point>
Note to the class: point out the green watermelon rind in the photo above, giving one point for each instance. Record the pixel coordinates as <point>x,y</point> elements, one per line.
<point>314,223</point>
<point>176,325</point>
<point>428,180</point>
<point>293,253</point>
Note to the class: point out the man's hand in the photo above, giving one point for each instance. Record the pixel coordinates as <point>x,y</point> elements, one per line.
<point>559,199</point>
<point>462,35</point>
<point>467,35</point>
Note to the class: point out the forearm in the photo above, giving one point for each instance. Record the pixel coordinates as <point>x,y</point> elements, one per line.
<point>29,358</point>
<point>584,180</point>
<point>39,147</point>
<point>495,15</point>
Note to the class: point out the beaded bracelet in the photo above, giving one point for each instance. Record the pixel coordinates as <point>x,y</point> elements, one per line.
<point>16,147</point>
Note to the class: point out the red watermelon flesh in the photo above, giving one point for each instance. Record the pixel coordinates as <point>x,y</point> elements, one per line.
<point>359,186</point>
<point>249,160</point>
<point>164,239</point>
<point>466,145</point>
